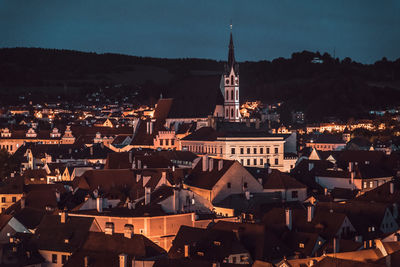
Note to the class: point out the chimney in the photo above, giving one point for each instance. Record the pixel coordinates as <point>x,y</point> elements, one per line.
<point>139,164</point>
<point>358,238</point>
<point>336,245</point>
<point>99,204</point>
<point>205,163</point>
<point>175,200</point>
<point>123,260</point>
<point>257,123</point>
<point>64,216</point>
<point>391,187</point>
<point>128,231</point>
<point>352,175</point>
<point>147,193</point>
<point>310,213</point>
<point>247,194</point>
<point>57,196</point>
<point>220,164</point>
<point>310,166</point>
<point>210,164</point>
<point>23,202</point>
<point>151,127</point>
<point>395,210</point>
<point>288,213</point>
<point>247,122</point>
<point>186,251</point>
<point>109,230</point>
<point>86,261</point>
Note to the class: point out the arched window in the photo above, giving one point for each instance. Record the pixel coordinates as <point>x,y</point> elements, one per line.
<point>227,113</point>
<point>232,80</point>
<point>227,94</point>
<point>232,95</point>
<point>231,113</point>
<point>237,113</point>
<point>237,94</point>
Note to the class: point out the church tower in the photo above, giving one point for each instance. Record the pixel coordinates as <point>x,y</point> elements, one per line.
<point>230,86</point>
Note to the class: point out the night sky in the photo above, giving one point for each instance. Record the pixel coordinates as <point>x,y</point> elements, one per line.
<point>365,30</point>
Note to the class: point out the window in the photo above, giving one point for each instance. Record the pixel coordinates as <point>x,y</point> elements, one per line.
<point>172,142</point>
<point>54,258</point>
<point>248,150</point>
<point>14,199</point>
<point>241,150</point>
<point>261,150</point>
<point>268,161</point>
<point>3,200</point>
<point>371,184</point>
<point>255,150</point>
<point>234,259</point>
<point>248,162</point>
<point>161,142</point>
<point>241,161</point>
<point>231,79</point>
<point>63,259</point>
<point>237,95</point>
<point>255,161</point>
<point>231,113</point>
<point>232,150</point>
<point>232,95</point>
<point>295,194</point>
<point>166,142</point>
<point>267,150</point>
<point>220,150</point>
<point>276,161</point>
<point>229,185</point>
<point>261,162</point>
<point>245,185</point>
<point>227,110</point>
<point>276,150</point>
<point>365,184</point>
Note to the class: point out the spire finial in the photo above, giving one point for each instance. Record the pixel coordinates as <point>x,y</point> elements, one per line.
<point>230,25</point>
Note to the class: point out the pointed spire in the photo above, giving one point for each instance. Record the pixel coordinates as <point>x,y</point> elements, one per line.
<point>231,54</point>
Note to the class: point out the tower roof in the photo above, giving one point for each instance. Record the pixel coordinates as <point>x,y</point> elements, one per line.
<point>231,57</point>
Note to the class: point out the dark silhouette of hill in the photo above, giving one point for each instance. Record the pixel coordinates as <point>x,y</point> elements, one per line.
<point>333,88</point>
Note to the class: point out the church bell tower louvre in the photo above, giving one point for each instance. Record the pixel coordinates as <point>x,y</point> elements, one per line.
<point>230,85</point>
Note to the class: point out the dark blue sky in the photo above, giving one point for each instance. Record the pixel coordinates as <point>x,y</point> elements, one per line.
<point>365,30</point>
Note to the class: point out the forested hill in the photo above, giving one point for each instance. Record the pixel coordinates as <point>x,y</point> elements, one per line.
<point>332,88</point>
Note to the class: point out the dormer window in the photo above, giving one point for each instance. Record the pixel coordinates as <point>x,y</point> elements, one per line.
<point>6,133</point>
<point>31,133</point>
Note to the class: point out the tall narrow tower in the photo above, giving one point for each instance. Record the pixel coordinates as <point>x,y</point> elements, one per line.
<point>231,85</point>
